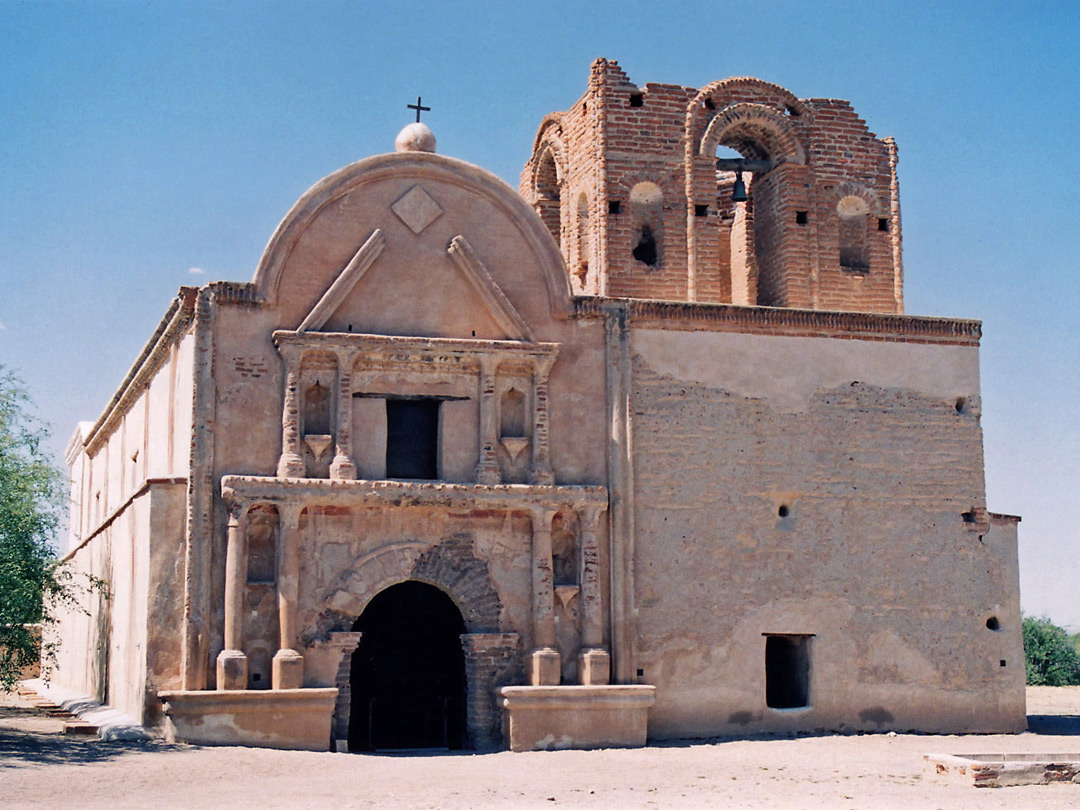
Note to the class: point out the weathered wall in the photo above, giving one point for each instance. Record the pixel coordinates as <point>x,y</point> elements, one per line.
<point>817,487</point>
<point>126,529</point>
<point>123,645</point>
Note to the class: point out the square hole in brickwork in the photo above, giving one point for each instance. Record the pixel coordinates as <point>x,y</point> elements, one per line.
<point>883,225</point>
<point>614,207</point>
<point>637,99</point>
<point>802,217</point>
<point>701,210</point>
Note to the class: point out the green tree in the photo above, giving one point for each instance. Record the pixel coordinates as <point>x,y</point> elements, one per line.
<point>1052,659</point>
<point>33,583</point>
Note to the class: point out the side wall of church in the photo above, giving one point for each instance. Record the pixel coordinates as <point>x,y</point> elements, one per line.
<point>830,491</point>
<point>126,529</point>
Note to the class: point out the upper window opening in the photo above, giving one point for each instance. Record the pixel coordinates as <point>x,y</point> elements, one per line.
<point>647,204</point>
<point>412,438</point>
<point>637,99</point>
<point>854,246</point>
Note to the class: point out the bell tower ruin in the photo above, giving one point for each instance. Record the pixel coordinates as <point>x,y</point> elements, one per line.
<point>631,186</point>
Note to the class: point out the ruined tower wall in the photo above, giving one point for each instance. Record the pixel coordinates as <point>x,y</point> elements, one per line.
<point>821,229</point>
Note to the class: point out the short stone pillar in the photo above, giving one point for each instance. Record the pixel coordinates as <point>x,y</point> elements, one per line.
<point>543,665</point>
<point>232,664</point>
<point>343,467</point>
<point>487,468</point>
<point>594,661</point>
<point>287,670</point>
<point>291,463</point>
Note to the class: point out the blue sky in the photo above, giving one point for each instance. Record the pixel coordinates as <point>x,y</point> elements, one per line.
<point>141,142</point>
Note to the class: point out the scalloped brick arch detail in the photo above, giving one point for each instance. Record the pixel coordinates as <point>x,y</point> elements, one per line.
<point>852,189</point>
<point>749,123</point>
<point>450,566</point>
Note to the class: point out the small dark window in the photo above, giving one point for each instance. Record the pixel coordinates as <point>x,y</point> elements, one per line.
<point>993,624</point>
<point>412,438</point>
<point>701,210</point>
<point>782,511</point>
<point>614,207</point>
<point>801,217</point>
<point>1002,662</point>
<point>646,251</point>
<point>883,224</point>
<point>708,104</point>
<point>968,517</point>
<point>637,99</point>
<point>787,672</point>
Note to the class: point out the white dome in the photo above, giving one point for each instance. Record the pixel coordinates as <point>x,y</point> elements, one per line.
<point>415,138</point>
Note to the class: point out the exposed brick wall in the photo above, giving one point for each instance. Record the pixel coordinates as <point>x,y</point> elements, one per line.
<point>619,134</point>
<point>492,660</point>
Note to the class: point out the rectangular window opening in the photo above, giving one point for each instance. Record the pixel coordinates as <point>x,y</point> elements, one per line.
<point>701,210</point>
<point>883,225</point>
<point>801,217</point>
<point>412,438</point>
<point>787,671</point>
<point>613,207</point>
<point>637,99</point>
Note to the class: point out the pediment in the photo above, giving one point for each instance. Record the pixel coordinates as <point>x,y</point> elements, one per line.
<point>441,293</point>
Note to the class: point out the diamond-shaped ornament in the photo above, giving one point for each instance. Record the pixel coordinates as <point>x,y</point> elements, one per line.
<point>416,209</point>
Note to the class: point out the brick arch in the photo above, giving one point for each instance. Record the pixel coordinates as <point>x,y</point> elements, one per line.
<point>450,566</point>
<point>723,93</point>
<point>755,130</point>
<point>865,193</point>
<point>548,144</point>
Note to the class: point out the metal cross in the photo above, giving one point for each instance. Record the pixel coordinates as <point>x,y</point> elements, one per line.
<point>418,107</point>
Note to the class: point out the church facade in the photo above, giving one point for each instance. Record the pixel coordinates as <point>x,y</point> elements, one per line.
<point>646,450</point>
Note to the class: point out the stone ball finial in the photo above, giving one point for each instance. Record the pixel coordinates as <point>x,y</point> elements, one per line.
<point>415,138</point>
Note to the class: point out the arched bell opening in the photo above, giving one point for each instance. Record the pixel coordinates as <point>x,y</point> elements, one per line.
<point>408,674</point>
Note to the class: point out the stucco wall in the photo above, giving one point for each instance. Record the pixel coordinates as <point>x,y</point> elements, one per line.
<point>872,452</point>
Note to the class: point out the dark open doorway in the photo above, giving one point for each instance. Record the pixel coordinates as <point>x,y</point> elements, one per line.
<point>408,674</point>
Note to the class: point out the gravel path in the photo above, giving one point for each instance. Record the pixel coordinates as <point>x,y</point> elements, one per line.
<point>42,769</point>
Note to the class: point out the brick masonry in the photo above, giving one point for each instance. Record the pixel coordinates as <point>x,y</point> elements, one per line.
<point>781,248</point>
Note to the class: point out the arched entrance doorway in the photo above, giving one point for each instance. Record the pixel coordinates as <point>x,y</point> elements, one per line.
<point>408,674</point>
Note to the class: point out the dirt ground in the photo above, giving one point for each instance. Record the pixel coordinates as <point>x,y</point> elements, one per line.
<point>41,768</point>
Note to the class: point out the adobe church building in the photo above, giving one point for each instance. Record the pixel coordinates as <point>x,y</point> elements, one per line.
<point>648,450</point>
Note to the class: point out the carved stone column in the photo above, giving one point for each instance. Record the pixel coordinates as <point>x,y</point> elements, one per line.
<point>344,465</point>
<point>594,662</point>
<point>291,463</point>
<point>541,472</point>
<point>232,664</point>
<point>543,664</point>
<point>487,467</point>
<point>288,665</point>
